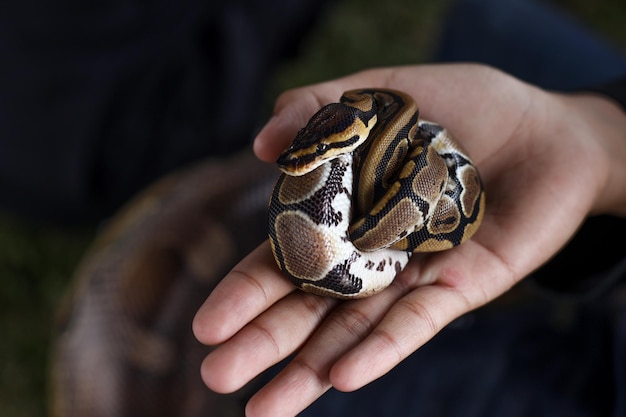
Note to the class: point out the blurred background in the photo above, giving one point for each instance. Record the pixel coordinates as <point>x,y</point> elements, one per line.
<point>38,257</point>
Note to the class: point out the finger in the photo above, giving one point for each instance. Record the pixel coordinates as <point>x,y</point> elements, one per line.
<point>306,377</point>
<point>246,291</point>
<point>456,96</point>
<point>295,107</point>
<point>409,325</point>
<point>265,341</point>
<point>292,111</point>
<point>423,312</point>
<point>362,340</point>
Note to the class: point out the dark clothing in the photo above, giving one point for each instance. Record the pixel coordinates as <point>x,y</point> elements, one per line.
<point>99,99</point>
<point>532,40</point>
<point>615,89</point>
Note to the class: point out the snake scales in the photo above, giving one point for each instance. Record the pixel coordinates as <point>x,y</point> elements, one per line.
<point>365,183</point>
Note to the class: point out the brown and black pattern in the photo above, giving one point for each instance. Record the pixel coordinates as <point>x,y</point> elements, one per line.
<point>299,245</point>
<point>318,205</point>
<point>339,279</point>
<point>415,190</point>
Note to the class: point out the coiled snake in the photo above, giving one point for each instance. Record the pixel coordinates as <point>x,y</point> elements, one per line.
<point>415,190</point>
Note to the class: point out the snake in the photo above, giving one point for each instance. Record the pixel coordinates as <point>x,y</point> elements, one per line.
<point>364,185</point>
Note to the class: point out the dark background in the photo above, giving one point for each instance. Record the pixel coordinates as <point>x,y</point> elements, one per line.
<point>37,259</point>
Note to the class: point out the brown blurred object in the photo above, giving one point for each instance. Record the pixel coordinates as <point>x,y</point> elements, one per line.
<point>123,345</point>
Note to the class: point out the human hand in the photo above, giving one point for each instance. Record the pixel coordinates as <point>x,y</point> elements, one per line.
<point>546,160</point>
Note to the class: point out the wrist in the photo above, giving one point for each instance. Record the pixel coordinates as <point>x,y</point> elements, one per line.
<point>604,123</point>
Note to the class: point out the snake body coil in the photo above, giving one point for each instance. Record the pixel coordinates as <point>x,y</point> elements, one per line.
<point>366,183</point>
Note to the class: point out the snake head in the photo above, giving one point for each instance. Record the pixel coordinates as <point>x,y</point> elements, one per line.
<point>336,129</point>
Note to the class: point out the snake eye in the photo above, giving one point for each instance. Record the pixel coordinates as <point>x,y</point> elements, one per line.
<point>322,147</point>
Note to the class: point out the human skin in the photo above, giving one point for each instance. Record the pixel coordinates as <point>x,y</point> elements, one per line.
<point>547,161</point>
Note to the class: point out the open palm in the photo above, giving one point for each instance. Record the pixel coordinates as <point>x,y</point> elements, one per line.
<point>537,195</point>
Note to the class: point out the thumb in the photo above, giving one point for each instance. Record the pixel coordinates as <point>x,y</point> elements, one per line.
<point>292,111</point>
<point>295,107</point>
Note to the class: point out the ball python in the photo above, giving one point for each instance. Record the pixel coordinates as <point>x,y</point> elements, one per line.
<point>365,184</point>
